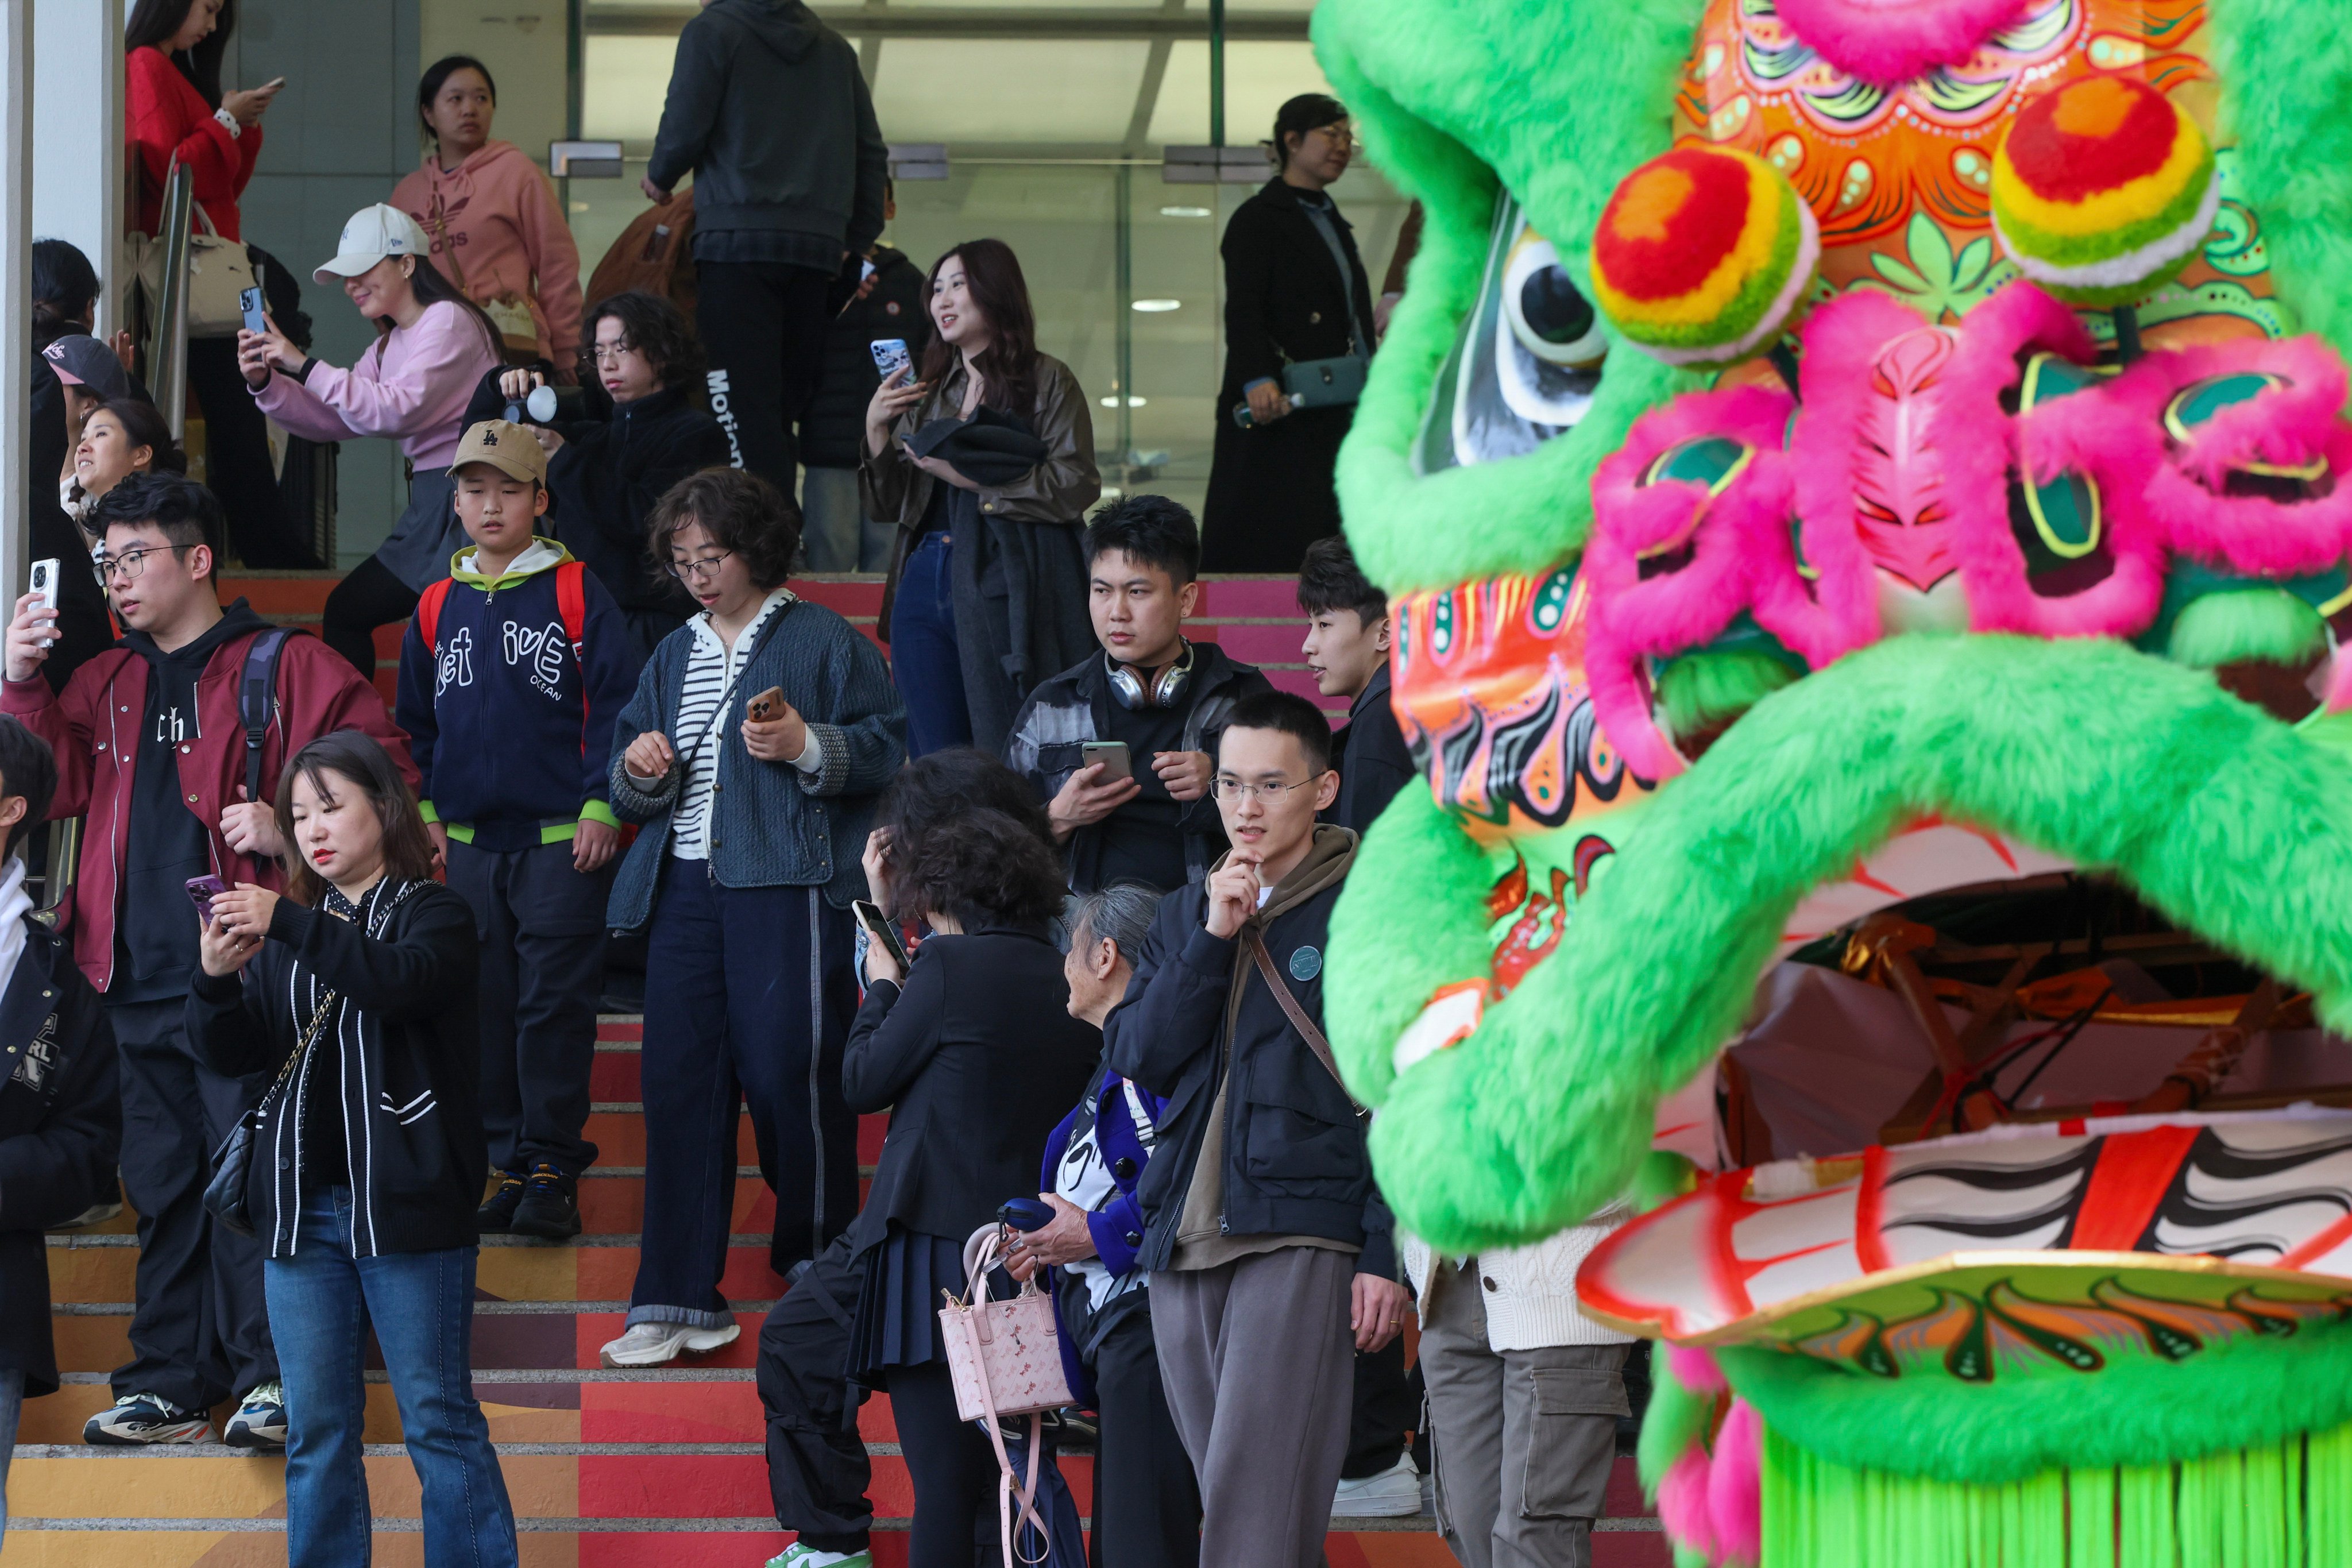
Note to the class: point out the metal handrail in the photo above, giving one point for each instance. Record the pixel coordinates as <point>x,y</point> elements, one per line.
<point>60,868</point>
<point>167,350</point>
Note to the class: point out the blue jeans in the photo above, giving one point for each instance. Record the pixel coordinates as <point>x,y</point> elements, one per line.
<point>12,1406</point>
<point>923,654</point>
<point>321,1302</point>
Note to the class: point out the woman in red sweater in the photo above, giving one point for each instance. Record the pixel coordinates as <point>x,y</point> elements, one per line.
<point>174,111</point>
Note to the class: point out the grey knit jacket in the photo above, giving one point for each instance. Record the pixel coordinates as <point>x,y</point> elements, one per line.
<point>771,825</point>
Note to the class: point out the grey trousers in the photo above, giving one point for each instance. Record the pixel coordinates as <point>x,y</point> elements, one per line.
<point>1259,1366</point>
<point>1523,1440</point>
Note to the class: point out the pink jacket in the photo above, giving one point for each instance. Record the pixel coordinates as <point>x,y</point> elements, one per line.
<point>494,222</point>
<point>413,383</point>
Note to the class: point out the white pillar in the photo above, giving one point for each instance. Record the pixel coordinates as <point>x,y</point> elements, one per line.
<point>15,281</point>
<point>77,163</point>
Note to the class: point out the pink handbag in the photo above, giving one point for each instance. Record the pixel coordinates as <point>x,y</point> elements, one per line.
<point>1005,1358</point>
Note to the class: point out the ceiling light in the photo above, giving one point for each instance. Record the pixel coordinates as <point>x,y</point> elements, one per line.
<point>1112,402</point>
<point>1157,307</point>
<point>1185,212</point>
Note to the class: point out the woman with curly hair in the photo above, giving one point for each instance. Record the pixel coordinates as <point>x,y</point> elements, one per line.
<point>751,755</point>
<point>638,435</point>
<point>973,1052</point>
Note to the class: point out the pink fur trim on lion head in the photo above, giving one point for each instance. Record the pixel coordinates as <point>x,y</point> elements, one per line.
<point>1887,42</point>
<point>1683,1505</point>
<point>1693,1368</point>
<point>1735,1485</point>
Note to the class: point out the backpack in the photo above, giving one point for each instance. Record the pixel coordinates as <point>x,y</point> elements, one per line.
<point>570,604</point>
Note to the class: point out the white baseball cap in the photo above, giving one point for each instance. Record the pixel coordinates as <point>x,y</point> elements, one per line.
<point>373,234</point>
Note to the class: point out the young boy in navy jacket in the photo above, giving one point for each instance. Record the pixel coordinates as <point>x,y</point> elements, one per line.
<point>511,674</point>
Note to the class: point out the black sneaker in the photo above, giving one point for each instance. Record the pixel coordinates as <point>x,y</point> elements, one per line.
<point>496,1216</point>
<point>549,1208</point>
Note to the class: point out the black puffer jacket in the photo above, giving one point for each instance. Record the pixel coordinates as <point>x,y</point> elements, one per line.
<point>835,421</point>
<point>1294,1159</point>
<point>615,463</point>
<point>60,1126</point>
<point>404,1039</point>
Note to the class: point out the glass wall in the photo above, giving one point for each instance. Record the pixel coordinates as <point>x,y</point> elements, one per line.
<point>1055,119</point>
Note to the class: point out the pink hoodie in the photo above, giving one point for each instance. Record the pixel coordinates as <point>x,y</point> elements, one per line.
<point>413,383</point>
<point>493,219</point>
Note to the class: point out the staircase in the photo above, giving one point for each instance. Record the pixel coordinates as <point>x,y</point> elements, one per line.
<point>606,1469</point>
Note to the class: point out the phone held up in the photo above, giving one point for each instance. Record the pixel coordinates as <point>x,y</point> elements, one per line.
<point>1118,762</point>
<point>768,705</point>
<point>203,890</point>
<point>890,356</point>
<point>249,301</point>
<point>44,588</point>
<point>879,931</point>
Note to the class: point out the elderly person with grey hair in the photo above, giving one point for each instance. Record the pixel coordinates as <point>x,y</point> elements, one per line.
<point>1147,1508</point>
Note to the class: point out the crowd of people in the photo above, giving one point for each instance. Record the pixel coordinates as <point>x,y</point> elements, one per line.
<point>620,740</point>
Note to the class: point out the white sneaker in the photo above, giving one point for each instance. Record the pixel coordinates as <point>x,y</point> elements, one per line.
<point>1393,1494</point>
<point>659,1344</point>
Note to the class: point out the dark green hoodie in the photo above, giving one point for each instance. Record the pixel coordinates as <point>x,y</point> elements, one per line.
<point>768,109</point>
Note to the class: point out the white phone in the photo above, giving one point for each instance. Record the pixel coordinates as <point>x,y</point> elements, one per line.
<point>45,589</point>
<point>890,355</point>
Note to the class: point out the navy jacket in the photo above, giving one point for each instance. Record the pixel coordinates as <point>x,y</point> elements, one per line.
<point>1295,1161</point>
<point>771,825</point>
<point>1117,1227</point>
<point>510,725</point>
<point>61,1128</point>
<point>1374,761</point>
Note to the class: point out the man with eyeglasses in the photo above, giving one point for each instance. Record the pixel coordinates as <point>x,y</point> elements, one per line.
<point>1271,1253</point>
<point>151,747</point>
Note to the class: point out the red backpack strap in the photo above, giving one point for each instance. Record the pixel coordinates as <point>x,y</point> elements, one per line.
<point>571,604</point>
<point>428,615</point>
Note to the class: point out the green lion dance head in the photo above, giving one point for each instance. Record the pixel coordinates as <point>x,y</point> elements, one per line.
<point>1865,494</point>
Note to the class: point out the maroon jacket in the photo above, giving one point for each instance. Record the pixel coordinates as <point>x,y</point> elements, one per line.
<point>94,725</point>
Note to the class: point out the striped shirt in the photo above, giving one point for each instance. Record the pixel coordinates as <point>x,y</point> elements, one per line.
<point>710,671</point>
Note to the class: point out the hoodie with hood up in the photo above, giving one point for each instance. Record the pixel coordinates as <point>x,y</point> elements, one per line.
<point>769,110</point>
<point>494,223</point>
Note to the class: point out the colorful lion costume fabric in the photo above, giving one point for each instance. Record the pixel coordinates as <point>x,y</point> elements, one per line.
<point>1865,492</point>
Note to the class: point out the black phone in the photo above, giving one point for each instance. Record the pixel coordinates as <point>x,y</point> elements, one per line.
<point>878,930</point>
<point>250,301</point>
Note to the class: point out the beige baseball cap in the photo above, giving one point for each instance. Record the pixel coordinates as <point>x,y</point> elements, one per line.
<point>373,234</point>
<point>510,448</point>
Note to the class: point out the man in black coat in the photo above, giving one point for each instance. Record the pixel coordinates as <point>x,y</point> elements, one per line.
<point>890,302</point>
<point>61,1117</point>
<point>1271,1252</point>
<point>1346,651</point>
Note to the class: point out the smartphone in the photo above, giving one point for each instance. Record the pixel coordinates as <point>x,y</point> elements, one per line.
<point>44,586</point>
<point>248,300</point>
<point>768,705</point>
<point>203,889</point>
<point>890,356</point>
<point>1118,762</point>
<point>878,930</point>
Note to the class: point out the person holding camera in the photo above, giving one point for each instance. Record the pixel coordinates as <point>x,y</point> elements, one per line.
<point>355,988</point>
<point>621,443</point>
<point>749,756</point>
<point>974,1054</point>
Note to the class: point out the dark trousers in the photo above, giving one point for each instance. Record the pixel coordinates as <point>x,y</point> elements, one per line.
<point>200,1331</point>
<point>237,462</point>
<point>924,656</point>
<point>763,325</point>
<point>1146,1507</point>
<point>950,1461</point>
<point>749,995</point>
<point>369,597</point>
<point>1388,1405</point>
<point>542,926</point>
<point>817,1467</point>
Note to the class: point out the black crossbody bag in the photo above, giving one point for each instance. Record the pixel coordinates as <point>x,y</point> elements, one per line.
<point>226,1195</point>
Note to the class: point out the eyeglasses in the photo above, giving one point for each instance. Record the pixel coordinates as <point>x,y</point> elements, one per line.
<point>131,563</point>
<point>1233,789</point>
<point>1339,135</point>
<point>602,353</point>
<point>691,570</point>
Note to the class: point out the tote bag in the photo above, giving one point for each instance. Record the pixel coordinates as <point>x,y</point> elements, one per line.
<point>1005,1359</point>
